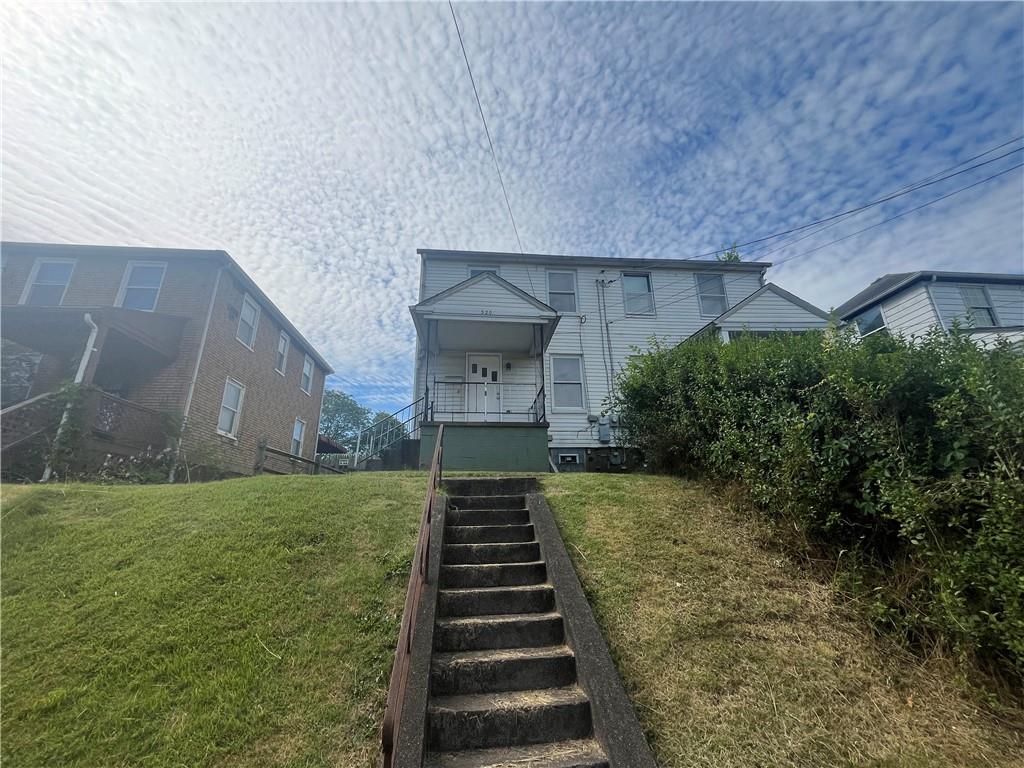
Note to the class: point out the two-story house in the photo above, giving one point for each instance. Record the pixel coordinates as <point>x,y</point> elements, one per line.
<point>985,306</point>
<point>162,342</point>
<point>518,353</point>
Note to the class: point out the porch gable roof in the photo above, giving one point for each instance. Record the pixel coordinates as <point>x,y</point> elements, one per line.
<point>485,291</point>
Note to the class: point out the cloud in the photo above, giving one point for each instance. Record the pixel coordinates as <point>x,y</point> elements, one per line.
<point>322,144</point>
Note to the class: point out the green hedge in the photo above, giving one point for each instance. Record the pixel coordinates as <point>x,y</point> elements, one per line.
<point>906,457</point>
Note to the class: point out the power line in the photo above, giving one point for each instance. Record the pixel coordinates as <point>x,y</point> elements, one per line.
<point>693,291</point>
<point>487,131</point>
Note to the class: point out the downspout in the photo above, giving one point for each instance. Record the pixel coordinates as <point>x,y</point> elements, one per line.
<point>83,365</point>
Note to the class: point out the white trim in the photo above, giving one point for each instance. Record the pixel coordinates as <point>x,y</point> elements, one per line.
<point>119,302</point>
<point>238,412</point>
<point>202,346</point>
<point>988,297</point>
<point>256,322</point>
<point>575,289</point>
<point>466,379</point>
<point>555,408</point>
<point>312,374</point>
<point>35,272</point>
<point>287,348</point>
<point>700,295</point>
<point>625,299</point>
<point>302,436</point>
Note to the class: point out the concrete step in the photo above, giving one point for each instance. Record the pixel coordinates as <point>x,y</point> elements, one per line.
<point>502,669</point>
<point>490,486</point>
<point>493,574</point>
<point>488,502</point>
<point>472,633</point>
<point>481,554</point>
<point>487,534</point>
<point>583,753</point>
<point>487,516</point>
<point>478,720</point>
<point>538,598</point>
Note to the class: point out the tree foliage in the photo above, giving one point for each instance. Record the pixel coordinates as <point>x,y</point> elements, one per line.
<point>342,417</point>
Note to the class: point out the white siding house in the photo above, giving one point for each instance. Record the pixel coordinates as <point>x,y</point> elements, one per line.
<point>985,306</point>
<point>535,339</point>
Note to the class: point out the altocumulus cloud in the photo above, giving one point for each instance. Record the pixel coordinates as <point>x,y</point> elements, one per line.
<point>322,144</point>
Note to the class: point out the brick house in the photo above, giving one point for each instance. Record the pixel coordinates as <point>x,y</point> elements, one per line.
<point>162,341</point>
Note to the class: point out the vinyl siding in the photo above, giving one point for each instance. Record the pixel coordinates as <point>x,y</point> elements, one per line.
<point>677,316</point>
<point>1007,300</point>
<point>771,312</point>
<point>484,297</point>
<point>910,312</point>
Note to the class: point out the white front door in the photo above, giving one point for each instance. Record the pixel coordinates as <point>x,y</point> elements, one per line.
<point>483,387</point>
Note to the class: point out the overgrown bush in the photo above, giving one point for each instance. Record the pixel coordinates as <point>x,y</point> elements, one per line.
<point>909,456</point>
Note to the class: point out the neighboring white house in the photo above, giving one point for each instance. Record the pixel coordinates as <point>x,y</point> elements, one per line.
<point>531,344</point>
<point>986,306</point>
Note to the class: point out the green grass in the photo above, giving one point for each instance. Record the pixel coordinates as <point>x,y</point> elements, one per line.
<point>734,657</point>
<point>245,622</point>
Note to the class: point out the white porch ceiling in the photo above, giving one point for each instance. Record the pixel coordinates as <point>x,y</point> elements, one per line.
<point>483,336</point>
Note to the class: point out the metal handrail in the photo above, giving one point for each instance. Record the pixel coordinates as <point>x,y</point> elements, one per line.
<point>396,429</point>
<point>418,577</point>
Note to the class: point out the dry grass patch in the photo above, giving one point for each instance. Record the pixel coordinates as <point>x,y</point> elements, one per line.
<point>733,657</point>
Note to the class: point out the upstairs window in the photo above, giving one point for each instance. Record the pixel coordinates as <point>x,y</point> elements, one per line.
<point>230,408</point>
<point>248,320</point>
<point>567,382</point>
<point>48,282</point>
<point>711,293</point>
<point>870,321</point>
<point>474,271</point>
<point>306,383</point>
<point>141,285</point>
<point>637,294</point>
<point>283,342</point>
<point>979,307</point>
<point>562,291</point>
<point>298,434</point>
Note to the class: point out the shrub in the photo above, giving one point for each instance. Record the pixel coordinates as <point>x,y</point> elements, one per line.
<point>908,454</point>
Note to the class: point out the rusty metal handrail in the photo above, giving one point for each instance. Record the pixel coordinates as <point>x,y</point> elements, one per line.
<point>417,580</point>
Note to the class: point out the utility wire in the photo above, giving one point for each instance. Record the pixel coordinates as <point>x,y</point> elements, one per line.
<point>676,298</point>
<point>487,131</point>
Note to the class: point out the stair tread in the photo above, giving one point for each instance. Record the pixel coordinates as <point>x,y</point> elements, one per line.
<point>490,525</point>
<point>470,566</point>
<point>497,618</point>
<point>502,654</point>
<point>542,587</point>
<point>555,754</point>
<point>536,698</point>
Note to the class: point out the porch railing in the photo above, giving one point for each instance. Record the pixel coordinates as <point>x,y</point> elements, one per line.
<point>484,401</point>
<point>418,578</point>
<point>373,440</point>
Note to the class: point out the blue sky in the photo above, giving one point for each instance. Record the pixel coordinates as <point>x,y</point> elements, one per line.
<point>322,144</point>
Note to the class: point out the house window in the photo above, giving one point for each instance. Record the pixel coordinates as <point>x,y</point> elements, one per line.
<point>48,283</point>
<point>248,319</point>
<point>283,342</point>
<point>711,293</point>
<point>562,291</point>
<point>306,384</point>
<point>298,433</point>
<point>567,382</point>
<point>979,308</point>
<point>637,293</point>
<point>474,271</point>
<point>141,285</point>
<point>870,321</point>
<point>230,408</point>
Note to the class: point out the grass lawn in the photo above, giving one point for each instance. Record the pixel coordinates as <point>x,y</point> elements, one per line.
<point>247,622</point>
<point>733,657</point>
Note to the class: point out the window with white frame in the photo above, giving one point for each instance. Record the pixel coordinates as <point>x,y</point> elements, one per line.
<point>298,435</point>
<point>230,408</point>
<point>567,382</point>
<point>870,321</point>
<point>979,306</point>
<point>48,282</point>
<point>562,291</point>
<point>248,320</point>
<point>306,383</point>
<point>474,271</point>
<point>637,293</point>
<point>283,343</point>
<point>711,294</point>
<point>140,286</point>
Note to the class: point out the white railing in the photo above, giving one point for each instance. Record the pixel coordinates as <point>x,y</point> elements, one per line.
<point>373,440</point>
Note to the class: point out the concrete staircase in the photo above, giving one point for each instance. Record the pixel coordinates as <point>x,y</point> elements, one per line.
<point>503,681</point>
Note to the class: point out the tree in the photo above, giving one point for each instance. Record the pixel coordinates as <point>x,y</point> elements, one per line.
<point>342,417</point>
<point>729,254</point>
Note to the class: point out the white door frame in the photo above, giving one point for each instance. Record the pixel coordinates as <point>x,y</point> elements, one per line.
<point>469,388</point>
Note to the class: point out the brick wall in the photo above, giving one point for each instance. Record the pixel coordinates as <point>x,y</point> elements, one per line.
<point>272,402</point>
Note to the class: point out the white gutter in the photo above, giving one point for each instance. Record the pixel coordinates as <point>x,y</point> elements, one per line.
<point>83,365</point>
